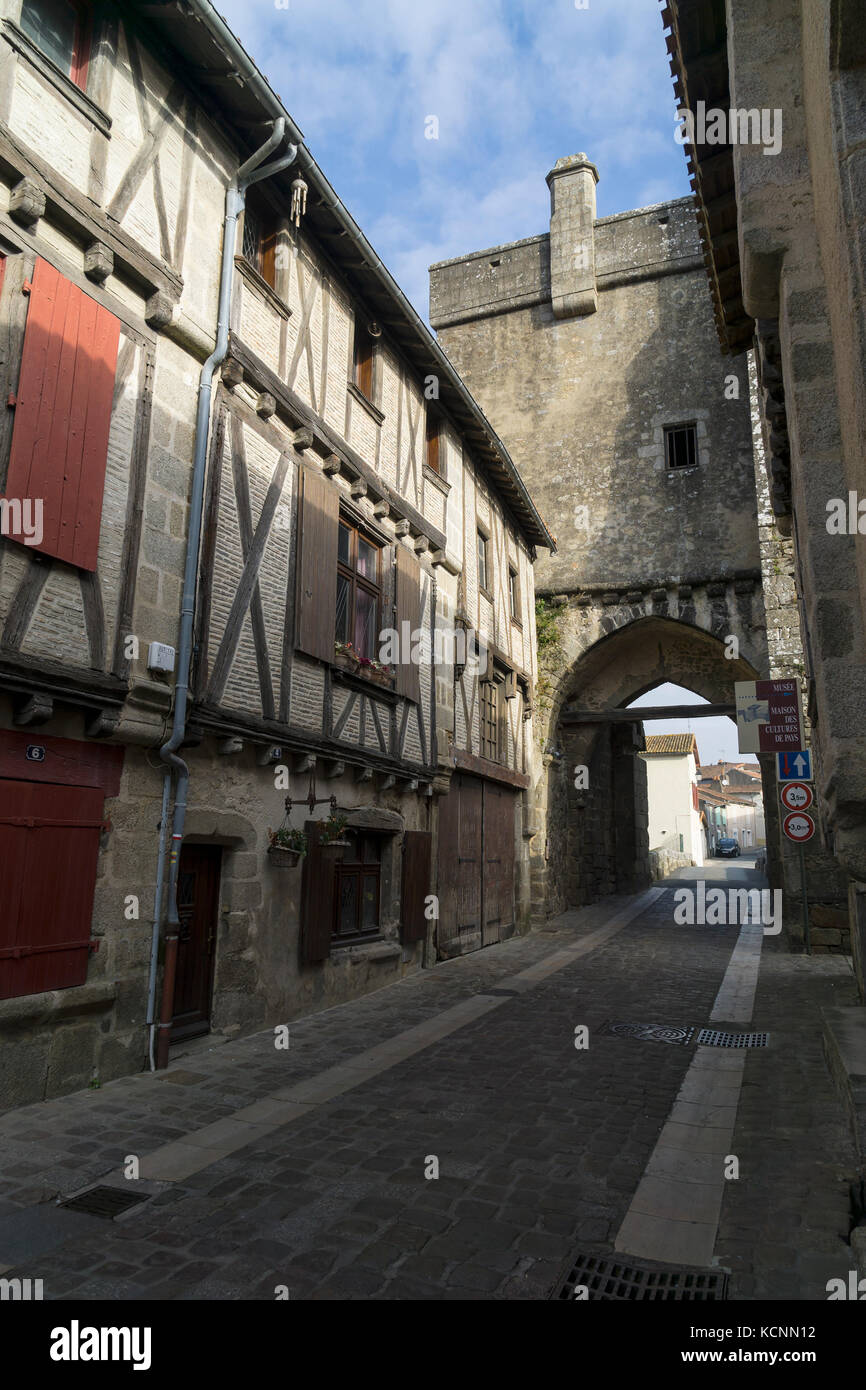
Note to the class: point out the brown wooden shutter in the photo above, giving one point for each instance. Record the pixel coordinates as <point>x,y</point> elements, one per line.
<point>417,851</point>
<point>408,601</point>
<point>63,415</point>
<point>317,898</point>
<point>317,565</point>
<point>49,847</point>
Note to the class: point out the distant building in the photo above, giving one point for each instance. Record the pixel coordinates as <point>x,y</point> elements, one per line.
<point>672,763</point>
<point>736,789</point>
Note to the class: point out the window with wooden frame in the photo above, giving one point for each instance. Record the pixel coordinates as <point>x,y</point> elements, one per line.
<point>358,889</point>
<point>359,590</point>
<point>435,450</point>
<point>259,243</point>
<point>681,446</point>
<point>61,29</point>
<point>491,694</point>
<point>514,594</point>
<point>363,360</point>
<point>483,545</point>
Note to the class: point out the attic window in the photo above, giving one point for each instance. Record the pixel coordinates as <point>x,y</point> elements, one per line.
<point>496,262</point>
<point>681,446</point>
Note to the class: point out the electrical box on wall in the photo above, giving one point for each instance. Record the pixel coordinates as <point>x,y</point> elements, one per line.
<point>160,657</point>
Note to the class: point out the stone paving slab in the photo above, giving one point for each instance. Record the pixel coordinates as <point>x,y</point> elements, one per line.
<point>540,1146</point>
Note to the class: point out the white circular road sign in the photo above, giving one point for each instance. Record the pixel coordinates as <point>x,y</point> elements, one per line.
<point>796,796</point>
<point>798,827</point>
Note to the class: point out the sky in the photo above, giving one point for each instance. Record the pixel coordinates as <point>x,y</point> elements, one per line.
<point>513,84</point>
<point>717,737</point>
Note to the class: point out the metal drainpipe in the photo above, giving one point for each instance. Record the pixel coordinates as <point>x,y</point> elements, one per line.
<point>252,171</point>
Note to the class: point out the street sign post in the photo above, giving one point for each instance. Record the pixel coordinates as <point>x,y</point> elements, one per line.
<point>769,716</point>
<point>794,766</point>
<point>796,796</point>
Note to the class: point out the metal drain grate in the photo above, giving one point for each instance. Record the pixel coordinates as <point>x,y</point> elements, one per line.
<point>605,1277</point>
<point>649,1032</point>
<point>714,1037</point>
<point>107,1202</point>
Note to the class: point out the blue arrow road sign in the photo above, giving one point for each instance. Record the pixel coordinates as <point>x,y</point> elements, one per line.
<point>795,765</point>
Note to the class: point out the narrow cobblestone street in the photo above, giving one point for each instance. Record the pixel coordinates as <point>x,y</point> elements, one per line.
<point>309,1169</point>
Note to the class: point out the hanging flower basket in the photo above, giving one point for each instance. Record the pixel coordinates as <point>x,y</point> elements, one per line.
<point>332,836</point>
<point>287,846</point>
<point>284,858</point>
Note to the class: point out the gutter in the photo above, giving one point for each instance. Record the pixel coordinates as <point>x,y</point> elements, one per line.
<point>252,171</point>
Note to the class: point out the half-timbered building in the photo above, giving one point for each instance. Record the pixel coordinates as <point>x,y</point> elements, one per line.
<point>360,662</point>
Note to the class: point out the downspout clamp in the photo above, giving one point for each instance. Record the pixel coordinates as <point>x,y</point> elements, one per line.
<point>252,171</point>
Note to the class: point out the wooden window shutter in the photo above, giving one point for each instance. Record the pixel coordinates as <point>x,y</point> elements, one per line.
<point>408,603</point>
<point>49,847</point>
<point>317,565</point>
<point>317,898</point>
<point>63,415</point>
<point>417,852</point>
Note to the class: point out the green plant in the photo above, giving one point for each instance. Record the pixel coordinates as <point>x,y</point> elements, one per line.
<point>332,828</point>
<point>546,629</point>
<point>287,837</point>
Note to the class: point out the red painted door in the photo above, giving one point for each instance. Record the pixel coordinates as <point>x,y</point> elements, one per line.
<point>49,847</point>
<point>198,888</point>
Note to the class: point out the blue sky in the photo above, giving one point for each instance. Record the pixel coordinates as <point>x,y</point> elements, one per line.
<point>717,737</point>
<point>515,85</point>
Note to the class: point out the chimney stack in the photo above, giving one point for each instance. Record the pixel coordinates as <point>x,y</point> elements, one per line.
<point>572,183</point>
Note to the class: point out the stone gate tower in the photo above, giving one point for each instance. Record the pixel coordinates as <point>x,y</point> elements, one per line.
<point>593,351</point>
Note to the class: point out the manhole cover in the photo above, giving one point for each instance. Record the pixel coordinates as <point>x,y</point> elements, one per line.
<point>714,1037</point>
<point>649,1032</point>
<point>606,1277</point>
<point>107,1202</point>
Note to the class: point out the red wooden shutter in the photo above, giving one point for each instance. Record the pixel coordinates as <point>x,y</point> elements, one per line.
<point>317,898</point>
<point>417,850</point>
<point>317,565</point>
<point>408,580</point>
<point>63,415</point>
<point>49,846</point>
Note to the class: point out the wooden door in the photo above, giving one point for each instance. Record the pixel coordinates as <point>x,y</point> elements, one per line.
<point>198,886</point>
<point>498,881</point>
<point>460,861</point>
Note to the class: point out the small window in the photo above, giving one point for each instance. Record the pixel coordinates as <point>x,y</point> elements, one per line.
<point>483,562</point>
<point>434,441</point>
<point>61,29</point>
<point>364,348</point>
<point>514,593</point>
<point>259,246</point>
<point>681,446</point>
<point>358,591</point>
<point>356,905</point>
<point>490,693</point>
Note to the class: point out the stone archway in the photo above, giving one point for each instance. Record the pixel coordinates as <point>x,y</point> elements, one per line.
<point>592,840</point>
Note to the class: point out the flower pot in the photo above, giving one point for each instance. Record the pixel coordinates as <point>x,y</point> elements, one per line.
<point>370,673</point>
<point>283,857</point>
<point>345,662</point>
<point>337,846</point>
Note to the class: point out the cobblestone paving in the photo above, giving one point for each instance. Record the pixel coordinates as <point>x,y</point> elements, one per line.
<point>540,1145</point>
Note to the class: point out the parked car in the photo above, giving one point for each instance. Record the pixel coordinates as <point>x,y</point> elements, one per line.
<point>726,848</point>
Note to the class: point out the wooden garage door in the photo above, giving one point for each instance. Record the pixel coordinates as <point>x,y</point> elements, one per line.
<point>476,864</point>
